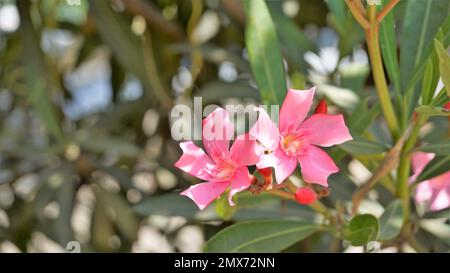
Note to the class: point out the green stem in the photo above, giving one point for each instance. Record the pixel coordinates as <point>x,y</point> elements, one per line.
<point>404,168</point>
<point>373,44</point>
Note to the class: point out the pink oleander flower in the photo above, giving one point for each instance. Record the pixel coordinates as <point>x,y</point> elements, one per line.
<point>220,166</point>
<point>434,191</point>
<point>296,139</point>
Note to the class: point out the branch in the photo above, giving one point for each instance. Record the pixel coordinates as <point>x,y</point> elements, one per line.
<point>386,10</point>
<point>389,163</point>
<point>355,9</point>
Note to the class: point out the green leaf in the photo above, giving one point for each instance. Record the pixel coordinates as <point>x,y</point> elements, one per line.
<point>362,229</point>
<point>438,228</point>
<point>444,64</point>
<point>435,167</point>
<point>124,219</point>
<point>388,46</point>
<point>427,83</point>
<point>264,52</point>
<point>103,143</point>
<point>421,22</point>
<point>260,236</point>
<point>293,41</point>
<point>432,111</point>
<point>391,221</point>
<point>360,146</point>
<point>37,74</point>
<point>441,148</point>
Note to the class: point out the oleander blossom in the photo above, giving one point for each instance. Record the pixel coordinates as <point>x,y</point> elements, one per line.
<point>435,192</point>
<point>222,167</point>
<point>297,138</point>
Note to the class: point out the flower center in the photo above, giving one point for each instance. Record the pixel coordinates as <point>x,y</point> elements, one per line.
<point>224,169</point>
<point>292,144</point>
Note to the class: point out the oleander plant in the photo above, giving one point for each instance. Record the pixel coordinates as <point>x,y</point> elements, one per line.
<point>225,126</point>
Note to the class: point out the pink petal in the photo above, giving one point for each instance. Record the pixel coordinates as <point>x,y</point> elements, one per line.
<point>316,165</point>
<point>245,151</point>
<point>265,131</point>
<point>217,132</point>
<point>441,201</point>
<point>193,160</point>
<point>283,165</point>
<point>424,192</point>
<point>325,130</point>
<point>240,182</point>
<point>204,193</point>
<point>419,160</point>
<point>295,107</point>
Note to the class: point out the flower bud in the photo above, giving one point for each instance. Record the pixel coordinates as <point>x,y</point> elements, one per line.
<point>322,107</point>
<point>305,196</point>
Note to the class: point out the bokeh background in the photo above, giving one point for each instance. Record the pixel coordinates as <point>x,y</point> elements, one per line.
<point>86,89</point>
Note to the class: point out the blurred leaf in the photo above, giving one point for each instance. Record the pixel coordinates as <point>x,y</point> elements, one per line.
<point>264,52</point>
<point>432,111</point>
<point>362,229</point>
<point>102,229</point>
<point>168,204</point>
<point>293,41</point>
<point>106,143</point>
<point>421,22</point>
<point>37,74</point>
<point>260,236</point>
<point>442,148</point>
<point>438,228</point>
<point>342,97</point>
<point>360,146</point>
<point>124,219</point>
<point>388,44</point>
<point>215,91</point>
<point>435,167</point>
<point>391,221</point>
<point>444,64</point>
<point>354,76</point>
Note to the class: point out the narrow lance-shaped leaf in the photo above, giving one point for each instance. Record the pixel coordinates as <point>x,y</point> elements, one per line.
<point>260,236</point>
<point>444,64</point>
<point>264,52</point>
<point>421,22</point>
<point>388,45</point>
<point>36,73</point>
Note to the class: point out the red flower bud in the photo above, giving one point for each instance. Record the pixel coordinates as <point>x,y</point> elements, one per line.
<point>266,172</point>
<point>322,107</point>
<point>305,196</point>
<point>447,106</point>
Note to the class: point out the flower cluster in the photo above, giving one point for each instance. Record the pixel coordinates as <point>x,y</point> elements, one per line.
<point>296,140</point>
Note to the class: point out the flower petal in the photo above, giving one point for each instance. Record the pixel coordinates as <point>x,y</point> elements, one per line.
<point>240,182</point>
<point>245,151</point>
<point>204,193</point>
<point>325,130</point>
<point>217,132</point>
<point>295,107</point>
<point>193,160</point>
<point>419,161</point>
<point>424,191</point>
<point>316,165</point>
<point>265,131</point>
<point>283,165</point>
<point>441,201</point>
